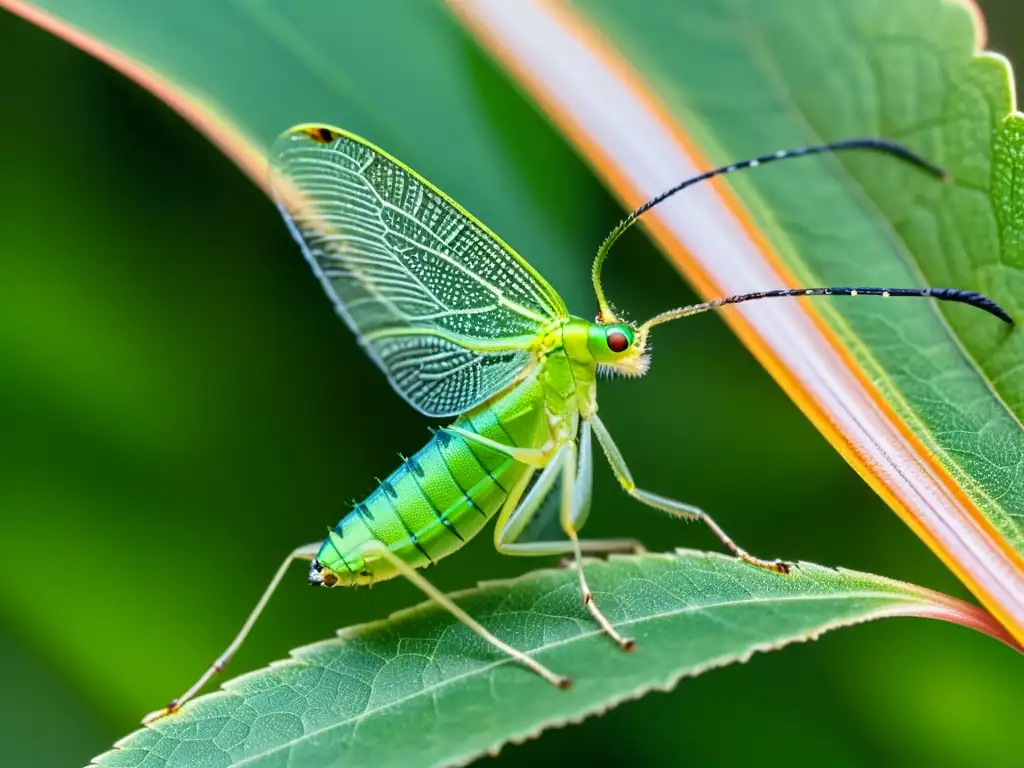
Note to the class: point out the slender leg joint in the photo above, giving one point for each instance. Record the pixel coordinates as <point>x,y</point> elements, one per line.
<point>625,643</point>
<point>573,465</point>
<point>671,506</point>
<point>778,566</point>
<point>307,552</point>
<point>446,602</point>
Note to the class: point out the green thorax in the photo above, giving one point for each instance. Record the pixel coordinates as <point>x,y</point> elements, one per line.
<point>444,494</point>
<point>569,370</point>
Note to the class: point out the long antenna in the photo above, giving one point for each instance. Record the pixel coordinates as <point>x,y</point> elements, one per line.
<point>878,145</point>
<point>942,294</point>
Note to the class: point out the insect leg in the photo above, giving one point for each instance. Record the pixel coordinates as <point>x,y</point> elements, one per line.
<point>671,506</point>
<point>306,552</point>
<point>575,468</point>
<point>378,549</point>
<point>514,519</point>
<point>573,508</point>
<point>531,457</point>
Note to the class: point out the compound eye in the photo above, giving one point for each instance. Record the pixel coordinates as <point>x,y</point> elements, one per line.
<point>618,341</point>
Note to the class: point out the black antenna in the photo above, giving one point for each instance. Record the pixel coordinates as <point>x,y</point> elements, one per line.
<point>879,145</point>
<point>874,144</point>
<point>942,294</point>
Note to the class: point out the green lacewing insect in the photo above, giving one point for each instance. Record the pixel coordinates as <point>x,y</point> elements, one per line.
<point>463,327</point>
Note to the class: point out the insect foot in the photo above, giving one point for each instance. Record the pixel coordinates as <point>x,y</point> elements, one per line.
<point>777,566</point>
<point>159,714</point>
<point>625,643</point>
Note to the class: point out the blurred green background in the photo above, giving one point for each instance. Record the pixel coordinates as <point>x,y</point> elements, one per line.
<point>179,407</point>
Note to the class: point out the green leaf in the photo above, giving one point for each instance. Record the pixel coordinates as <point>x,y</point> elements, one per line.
<point>421,689</point>
<point>926,401</point>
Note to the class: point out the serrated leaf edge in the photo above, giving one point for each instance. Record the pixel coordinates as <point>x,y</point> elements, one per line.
<point>909,601</point>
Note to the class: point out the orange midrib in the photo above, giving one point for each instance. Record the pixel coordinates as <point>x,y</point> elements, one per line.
<point>705,285</point>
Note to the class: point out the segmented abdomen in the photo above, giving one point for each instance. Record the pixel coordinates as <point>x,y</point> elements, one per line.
<point>442,496</point>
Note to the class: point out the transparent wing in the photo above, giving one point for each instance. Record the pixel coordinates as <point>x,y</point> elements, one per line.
<point>444,307</point>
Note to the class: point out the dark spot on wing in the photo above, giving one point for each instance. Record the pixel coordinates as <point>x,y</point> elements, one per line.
<point>322,135</point>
